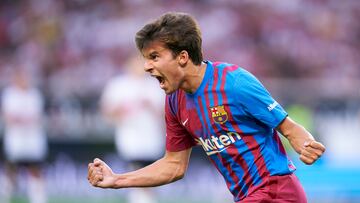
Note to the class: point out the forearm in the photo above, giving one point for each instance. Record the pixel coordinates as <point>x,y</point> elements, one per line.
<point>302,141</point>
<point>163,171</point>
<point>295,133</point>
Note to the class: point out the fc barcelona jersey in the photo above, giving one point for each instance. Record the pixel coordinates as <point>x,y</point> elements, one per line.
<point>232,116</point>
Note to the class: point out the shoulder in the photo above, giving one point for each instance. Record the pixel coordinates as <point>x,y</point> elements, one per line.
<point>227,68</point>
<point>232,73</point>
<point>244,78</point>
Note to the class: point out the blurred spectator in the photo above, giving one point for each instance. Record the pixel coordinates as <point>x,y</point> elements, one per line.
<point>274,39</point>
<point>62,40</point>
<point>133,103</point>
<point>25,143</point>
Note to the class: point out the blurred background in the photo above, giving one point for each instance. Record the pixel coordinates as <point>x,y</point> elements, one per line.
<point>305,52</point>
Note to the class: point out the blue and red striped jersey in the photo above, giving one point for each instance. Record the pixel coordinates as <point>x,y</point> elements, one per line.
<point>232,116</point>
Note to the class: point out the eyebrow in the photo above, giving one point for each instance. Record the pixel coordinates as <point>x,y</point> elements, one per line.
<point>150,54</point>
<point>154,52</point>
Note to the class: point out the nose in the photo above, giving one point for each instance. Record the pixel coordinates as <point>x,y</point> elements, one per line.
<point>148,66</point>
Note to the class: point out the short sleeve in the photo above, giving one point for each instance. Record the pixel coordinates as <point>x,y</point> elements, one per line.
<point>177,137</point>
<point>257,101</point>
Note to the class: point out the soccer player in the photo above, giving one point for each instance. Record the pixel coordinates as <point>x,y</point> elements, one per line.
<point>221,107</point>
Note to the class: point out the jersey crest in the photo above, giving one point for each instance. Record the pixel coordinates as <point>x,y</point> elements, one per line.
<point>219,114</point>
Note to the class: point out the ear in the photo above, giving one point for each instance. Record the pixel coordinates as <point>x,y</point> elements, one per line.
<point>183,58</point>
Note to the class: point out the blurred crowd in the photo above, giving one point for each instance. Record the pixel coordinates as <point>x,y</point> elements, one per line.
<point>72,48</point>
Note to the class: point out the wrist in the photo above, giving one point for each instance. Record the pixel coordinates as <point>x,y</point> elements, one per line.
<point>120,181</point>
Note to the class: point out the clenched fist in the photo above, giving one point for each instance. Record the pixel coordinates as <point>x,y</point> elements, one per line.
<point>311,152</point>
<point>100,174</point>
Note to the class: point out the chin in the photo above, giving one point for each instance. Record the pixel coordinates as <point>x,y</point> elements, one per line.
<point>169,91</point>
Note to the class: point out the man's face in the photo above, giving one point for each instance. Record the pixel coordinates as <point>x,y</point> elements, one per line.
<point>162,65</point>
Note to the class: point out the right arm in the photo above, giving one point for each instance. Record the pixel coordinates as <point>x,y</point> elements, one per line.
<point>170,168</point>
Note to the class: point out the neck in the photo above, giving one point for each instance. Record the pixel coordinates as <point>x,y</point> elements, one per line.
<point>194,77</point>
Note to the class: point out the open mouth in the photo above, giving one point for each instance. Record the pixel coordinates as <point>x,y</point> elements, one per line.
<point>160,79</point>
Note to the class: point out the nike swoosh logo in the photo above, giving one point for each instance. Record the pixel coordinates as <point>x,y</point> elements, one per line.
<point>184,123</point>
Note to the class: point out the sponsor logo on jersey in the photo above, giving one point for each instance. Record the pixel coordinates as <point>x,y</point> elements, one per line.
<point>272,106</point>
<point>219,114</point>
<point>217,144</point>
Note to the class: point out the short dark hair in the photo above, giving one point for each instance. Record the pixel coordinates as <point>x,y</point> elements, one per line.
<point>178,31</point>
